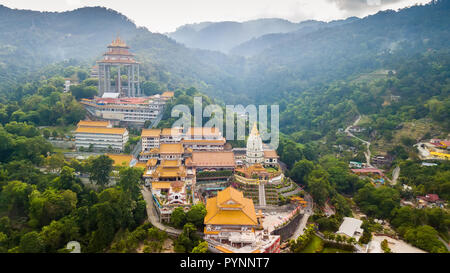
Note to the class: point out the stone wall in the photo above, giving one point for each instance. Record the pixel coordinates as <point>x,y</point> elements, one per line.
<point>288,230</point>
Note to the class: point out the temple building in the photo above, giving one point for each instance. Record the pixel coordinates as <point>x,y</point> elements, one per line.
<point>100,135</point>
<point>233,226</point>
<point>130,111</point>
<point>119,57</point>
<point>255,152</point>
<point>204,139</point>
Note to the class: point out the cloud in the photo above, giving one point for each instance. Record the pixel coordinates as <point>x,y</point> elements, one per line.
<point>359,5</point>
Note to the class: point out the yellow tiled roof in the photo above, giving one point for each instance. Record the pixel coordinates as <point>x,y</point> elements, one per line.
<point>230,207</point>
<point>170,163</point>
<point>121,160</point>
<point>212,159</point>
<point>168,94</point>
<point>223,249</point>
<point>169,172</point>
<point>152,162</point>
<point>140,165</point>
<point>161,185</point>
<point>89,123</point>
<point>440,154</point>
<point>203,131</point>
<point>170,132</point>
<point>105,131</point>
<point>171,148</point>
<point>215,141</point>
<point>151,133</point>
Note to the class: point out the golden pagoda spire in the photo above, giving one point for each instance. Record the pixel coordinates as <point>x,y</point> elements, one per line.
<point>255,131</point>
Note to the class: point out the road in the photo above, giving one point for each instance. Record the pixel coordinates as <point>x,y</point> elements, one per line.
<point>395,175</point>
<point>307,213</point>
<point>367,153</point>
<point>153,216</point>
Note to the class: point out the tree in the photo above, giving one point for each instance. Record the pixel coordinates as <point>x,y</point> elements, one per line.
<point>46,133</point>
<point>188,239</point>
<point>201,248</point>
<point>59,233</point>
<point>426,238</point>
<point>301,170</point>
<point>50,205</point>
<point>178,217</point>
<point>196,214</point>
<point>100,169</point>
<point>318,186</point>
<point>150,88</point>
<point>31,243</point>
<point>130,179</point>
<point>16,195</point>
<point>55,162</point>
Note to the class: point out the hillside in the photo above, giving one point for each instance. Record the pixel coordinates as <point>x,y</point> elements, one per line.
<point>30,40</point>
<point>259,44</point>
<point>223,36</point>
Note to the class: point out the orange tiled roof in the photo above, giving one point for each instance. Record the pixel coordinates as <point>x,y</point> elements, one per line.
<point>270,154</point>
<point>151,133</point>
<point>121,160</point>
<point>89,123</point>
<point>170,163</point>
<point>171,148</point>
<point>169,172</point>
<point>203,131</point>
<point>168,94</point>
<point>170,132</point>
<point>213,159</point>
<point>140,165</point>
<point>212,141</point>
<point>230,207</point>
<point>105,131</point>
<point>152,162</point>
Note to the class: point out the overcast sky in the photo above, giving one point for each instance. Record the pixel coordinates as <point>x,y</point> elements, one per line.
<point>167,15</point>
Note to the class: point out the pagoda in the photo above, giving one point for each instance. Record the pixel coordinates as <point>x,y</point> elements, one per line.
<point>119,56</point>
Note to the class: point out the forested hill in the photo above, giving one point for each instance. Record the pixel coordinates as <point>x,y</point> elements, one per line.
<point>223,36</point>
<point>358,47</point>
<point>30,40</point>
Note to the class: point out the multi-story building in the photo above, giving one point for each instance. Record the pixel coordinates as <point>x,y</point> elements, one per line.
<point>101,138</point>
<point>150,139</point>
<point>204,139</point>
<point>233,226</point>
<point>126,110</point>
<point>171,135</point>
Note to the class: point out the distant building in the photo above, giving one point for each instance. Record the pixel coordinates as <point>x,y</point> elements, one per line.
<point>425,164</point>
<point>125,110</point>
<point>100,136</point>
<point>67,86</point>
<point>233,226</point>
<point>368,171</point>
<point>381,160</point>
<point>429,200</point>
<point>271,158</point>
<point>150,139</point>
<point>355,165</point>
<point>118,56</point>
<point>351,227</point>
<point>204,139</point>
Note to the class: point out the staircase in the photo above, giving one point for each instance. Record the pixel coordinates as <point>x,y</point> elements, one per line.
<point>262,195</point>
